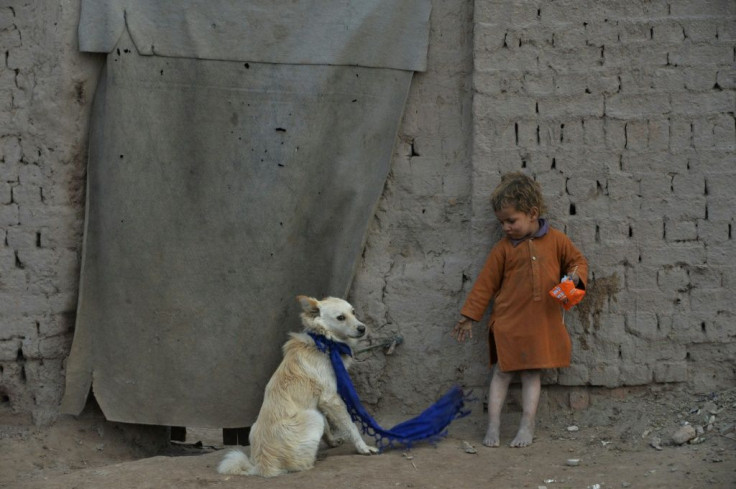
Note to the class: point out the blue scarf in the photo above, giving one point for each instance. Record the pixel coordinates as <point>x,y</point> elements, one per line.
<point>430,425</point>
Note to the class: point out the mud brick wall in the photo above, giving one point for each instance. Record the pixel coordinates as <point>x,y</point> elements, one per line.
<point>45,94</point>
<point>624,111</point>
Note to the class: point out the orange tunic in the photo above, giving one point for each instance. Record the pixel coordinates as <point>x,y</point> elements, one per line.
<point>526,330</point>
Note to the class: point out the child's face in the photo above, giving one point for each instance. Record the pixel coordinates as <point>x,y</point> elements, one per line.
<point>517,224</point>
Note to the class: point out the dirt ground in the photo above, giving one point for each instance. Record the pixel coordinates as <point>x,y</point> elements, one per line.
<point>622,438</point>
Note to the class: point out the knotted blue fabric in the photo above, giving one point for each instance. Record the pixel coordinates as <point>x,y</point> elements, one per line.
<point>430,425</point>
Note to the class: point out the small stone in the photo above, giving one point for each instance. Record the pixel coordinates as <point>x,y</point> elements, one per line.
<point>710,407</point>
<point>684,434</point>
<point>573,462</point>
<point>572,428</point>
<point>655,442</point>
<point>468,448</point>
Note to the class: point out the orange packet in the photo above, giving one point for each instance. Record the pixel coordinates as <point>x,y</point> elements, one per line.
<point>566,294</point>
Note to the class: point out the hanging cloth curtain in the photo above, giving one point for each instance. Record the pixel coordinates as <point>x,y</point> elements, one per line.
<point>236,156</point>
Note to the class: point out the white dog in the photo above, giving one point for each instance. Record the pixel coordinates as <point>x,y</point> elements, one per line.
<point>301,404</point>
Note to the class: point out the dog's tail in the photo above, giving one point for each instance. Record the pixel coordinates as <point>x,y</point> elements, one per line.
<point>236,462</point>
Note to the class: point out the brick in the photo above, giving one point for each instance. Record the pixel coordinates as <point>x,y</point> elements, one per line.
<point>571,37</point>
<point>505,107</point>
<point>681,134</point>
<point>570,84</point>
<point>26,195</point>
<point>575,374</point>
<point>670,372</point>
<point>658,134</point>
<point>642,277</point>
<point>5,194</point>
<point>668,79</point>
<point>9,349</point>
<point>703,301</point>
<point>681,231</point>
<point>719,207</point>
<point>655,185</point>
<point>711,8</point>
<point>688,330</point>
<point>603,83</point>
<point>518,14</point>
<point>673,279</point>
<point>636,106</point>
<point>615,134</point>
<point>673,208</point>
<point>720,330</point>
<point>10,38</point>
<point>538,84</point>
<point>593,132</point>
<point>668,32</point>
<point>726,78</point>
<point>688,184</point>
<point>678,252</point>
<point>635,31</point>
<point>637,135</point>
<point>504,58</point>
<point>714,132</point>
<point>495,83</point>
<point>602,33</point>
<point>635,56</point>
<point>706,277</point>
<point>579,400</point>
<point>10,152</point>
<point>644,325</point>
<point>578,60</point>
<point>635,374</point>
<point>527,133</point>
<point>605,375</point>
<point>688,54</point>
<point>9,215</point>
<point>702,104</point>
<point>715,231</point>
<point>699,79</point>
<point>721,254</point>
<point>612,328</point>
<point>634,349</point>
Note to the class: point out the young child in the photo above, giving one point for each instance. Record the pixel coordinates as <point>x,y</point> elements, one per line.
<point>526,332</point>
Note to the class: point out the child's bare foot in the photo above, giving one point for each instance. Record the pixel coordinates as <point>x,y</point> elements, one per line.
<point>525,435</point>
<point>492,439</point>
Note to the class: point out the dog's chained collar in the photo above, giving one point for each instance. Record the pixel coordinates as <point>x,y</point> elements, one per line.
<point>430,425</point>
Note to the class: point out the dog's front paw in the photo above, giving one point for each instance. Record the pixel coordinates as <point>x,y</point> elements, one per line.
<point>365,449</point>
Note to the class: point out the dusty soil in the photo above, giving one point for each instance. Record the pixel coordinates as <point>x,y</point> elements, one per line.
<point>622,438</point>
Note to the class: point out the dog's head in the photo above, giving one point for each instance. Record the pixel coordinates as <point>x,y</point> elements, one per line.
<point>332,317</point>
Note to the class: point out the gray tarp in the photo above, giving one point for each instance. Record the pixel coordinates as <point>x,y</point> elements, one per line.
<point>227,174</point>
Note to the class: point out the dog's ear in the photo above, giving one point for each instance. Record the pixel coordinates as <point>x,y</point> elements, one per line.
<point>310,305</point>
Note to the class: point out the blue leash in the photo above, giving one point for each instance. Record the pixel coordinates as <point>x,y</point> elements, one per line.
<point>430,425</point>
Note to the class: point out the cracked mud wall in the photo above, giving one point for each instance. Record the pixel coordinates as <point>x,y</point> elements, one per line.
<point>623,111</point>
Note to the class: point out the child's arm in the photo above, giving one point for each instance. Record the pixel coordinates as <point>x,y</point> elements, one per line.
<point>484,288</point>
<point>575,265</point>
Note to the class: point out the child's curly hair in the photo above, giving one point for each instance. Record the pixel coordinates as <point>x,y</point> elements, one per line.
<point>520,191</point>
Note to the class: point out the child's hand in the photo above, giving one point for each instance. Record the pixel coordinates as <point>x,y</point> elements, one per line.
<point>574,276</point>
<point>463,329</point>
